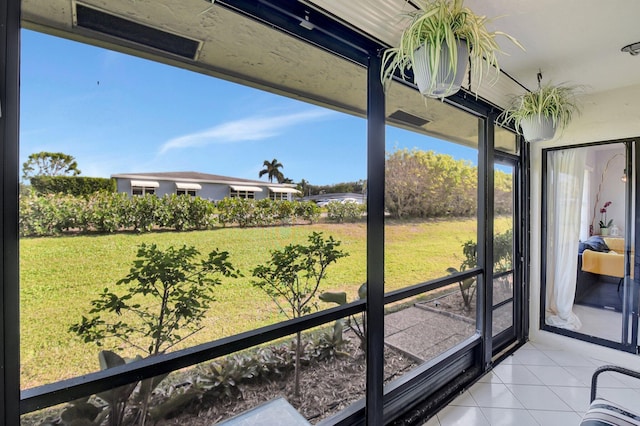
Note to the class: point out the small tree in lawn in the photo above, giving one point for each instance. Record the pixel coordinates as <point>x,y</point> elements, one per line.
<point>166,295</point>
<point>292,277</point>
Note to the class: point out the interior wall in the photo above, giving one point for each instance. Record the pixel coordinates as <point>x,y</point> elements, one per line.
<point>605,116</point>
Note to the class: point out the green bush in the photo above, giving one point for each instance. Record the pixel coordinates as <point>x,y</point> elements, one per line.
<point>348,211</point>
<point>265,212</point>
<point>72,185</point>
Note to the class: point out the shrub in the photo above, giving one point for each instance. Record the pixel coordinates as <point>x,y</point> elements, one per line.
<point>292,277</point>
<point>164,299</point>
<point>348,211</point>
<point>72,185</point>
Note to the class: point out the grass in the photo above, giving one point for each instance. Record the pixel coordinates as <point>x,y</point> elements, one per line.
<point>60,276</point>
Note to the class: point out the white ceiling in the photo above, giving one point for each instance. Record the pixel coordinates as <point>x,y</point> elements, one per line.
<point>575,41</point>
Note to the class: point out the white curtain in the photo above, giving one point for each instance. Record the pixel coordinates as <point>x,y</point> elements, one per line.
<point>565,183</point>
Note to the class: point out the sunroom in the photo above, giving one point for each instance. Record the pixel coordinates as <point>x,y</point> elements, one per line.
<point>525,254</point>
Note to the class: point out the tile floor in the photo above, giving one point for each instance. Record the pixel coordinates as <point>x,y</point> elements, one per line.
<point>538,385</point>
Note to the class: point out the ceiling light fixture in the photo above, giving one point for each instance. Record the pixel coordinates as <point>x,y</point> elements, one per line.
<point>633,48</point>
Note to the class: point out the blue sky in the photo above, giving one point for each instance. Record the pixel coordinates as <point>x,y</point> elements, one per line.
<point>120,114</point>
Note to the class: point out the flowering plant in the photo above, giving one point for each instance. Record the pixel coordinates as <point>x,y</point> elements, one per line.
<point>603,218</point>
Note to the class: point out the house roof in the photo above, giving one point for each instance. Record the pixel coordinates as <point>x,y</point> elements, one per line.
<point>198,177</point>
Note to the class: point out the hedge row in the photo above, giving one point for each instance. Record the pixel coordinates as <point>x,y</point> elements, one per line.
<point>72,185</point>
<point>265,212</point>
<point>54,214</point>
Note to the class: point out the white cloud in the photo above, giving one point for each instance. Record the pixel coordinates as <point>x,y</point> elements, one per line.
<point>246,129</point>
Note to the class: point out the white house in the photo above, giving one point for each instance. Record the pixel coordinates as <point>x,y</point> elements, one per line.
<point>204,185</point>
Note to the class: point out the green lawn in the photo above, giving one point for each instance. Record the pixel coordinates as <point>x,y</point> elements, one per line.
<point>60,276</point>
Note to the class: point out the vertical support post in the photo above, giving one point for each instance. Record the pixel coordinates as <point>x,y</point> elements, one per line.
<point>375,242</point>
<point>632,267</point>
<point>9,293</point>
<point>484,316</point>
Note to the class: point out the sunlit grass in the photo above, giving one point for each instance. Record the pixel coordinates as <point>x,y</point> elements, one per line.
<point>60,277</point>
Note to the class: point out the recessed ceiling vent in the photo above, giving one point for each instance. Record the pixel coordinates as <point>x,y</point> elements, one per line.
<point>405,117</point>
<point>115,26</point>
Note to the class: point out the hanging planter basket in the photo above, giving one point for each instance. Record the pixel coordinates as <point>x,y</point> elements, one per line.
<point>445,23</point>
<point>538,113</point>
<point>538,128</point>
<point>446,80</point>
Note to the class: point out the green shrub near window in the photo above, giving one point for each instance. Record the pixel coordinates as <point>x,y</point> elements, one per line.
<point>72,185</point>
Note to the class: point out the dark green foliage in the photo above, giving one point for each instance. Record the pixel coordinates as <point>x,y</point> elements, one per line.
<point>72,185</point>
<point>292,277</point>
<point>338,188</point>
<point>272,170</point>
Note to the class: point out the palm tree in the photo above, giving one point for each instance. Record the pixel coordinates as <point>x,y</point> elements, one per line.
<point>271,170</point>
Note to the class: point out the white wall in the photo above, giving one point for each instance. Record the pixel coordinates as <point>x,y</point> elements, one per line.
<point>605,116</point>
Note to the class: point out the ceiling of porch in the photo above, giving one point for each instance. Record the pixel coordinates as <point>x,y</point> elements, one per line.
<point>573,41</point>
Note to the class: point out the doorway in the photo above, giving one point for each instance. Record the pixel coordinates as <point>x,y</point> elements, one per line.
<point>588,237</point>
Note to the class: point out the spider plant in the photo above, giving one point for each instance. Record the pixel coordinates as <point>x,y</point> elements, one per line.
<point>554,104</point>
<point>443,27</point>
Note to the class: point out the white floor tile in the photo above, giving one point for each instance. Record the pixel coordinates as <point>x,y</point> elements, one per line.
<point>494,395</point>
<point>538,398</point>
<point>490,377</point>
<point>583,374</point>
<point>576,398</point>
<point>508,417</point>
<point>515,373</point>
<point>532,357</point>
<point>433,421</point>
<point>539,385</point>
<point>556,418</point>
<point>464,400</point>
<point>462,416</point>
<point>554,376</point>
<point>570,359</point>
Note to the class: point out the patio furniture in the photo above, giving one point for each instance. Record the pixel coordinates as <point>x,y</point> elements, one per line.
<point>603,412</point>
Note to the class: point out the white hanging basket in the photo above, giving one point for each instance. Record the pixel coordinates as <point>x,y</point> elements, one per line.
<point>538,128</point>
<point>446,82</point>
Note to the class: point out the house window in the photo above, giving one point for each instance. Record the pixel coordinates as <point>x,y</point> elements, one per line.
<point>187,188</point>
<point>143,187</point>
<point>142,190</point>
<point>278,196</point>
<point>242,191</point>
<point>242,194</point>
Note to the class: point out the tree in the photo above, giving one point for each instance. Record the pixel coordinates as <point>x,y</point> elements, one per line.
<point>167,294</point>
<point>292,277</point>
<point>271,169</point>
<point>50,164</point>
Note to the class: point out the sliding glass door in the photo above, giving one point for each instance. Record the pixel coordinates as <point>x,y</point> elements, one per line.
<point>588,235</point>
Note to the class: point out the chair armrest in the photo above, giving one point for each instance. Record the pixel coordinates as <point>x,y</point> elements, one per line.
<point>614,368</point>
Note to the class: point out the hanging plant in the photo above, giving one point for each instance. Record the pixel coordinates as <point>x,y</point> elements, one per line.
<point>541,112</point>
<point>441,38</point>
